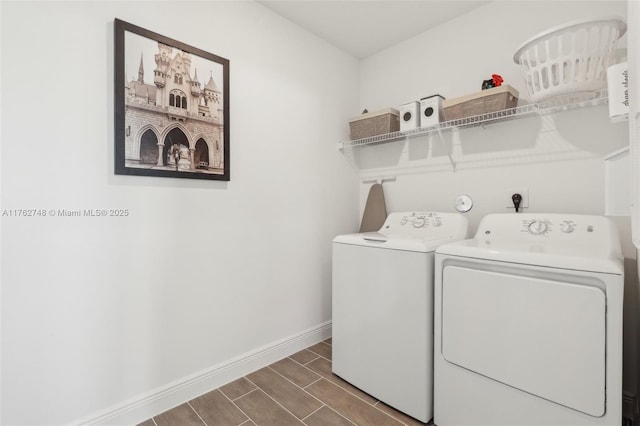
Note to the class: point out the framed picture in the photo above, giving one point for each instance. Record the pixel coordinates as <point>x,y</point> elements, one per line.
<point>171,107</point>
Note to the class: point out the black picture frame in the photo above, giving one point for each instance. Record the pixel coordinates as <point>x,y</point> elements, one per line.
<point>168,123</point>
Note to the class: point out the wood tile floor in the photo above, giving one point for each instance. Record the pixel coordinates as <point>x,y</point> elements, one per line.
<point>298,390</point>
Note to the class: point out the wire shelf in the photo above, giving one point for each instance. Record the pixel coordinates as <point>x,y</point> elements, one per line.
<point>550,106</point>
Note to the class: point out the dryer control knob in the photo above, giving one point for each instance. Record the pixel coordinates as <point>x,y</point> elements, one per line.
<point>436,222</point>
<point>537,227</point>
<point>418,222</point>
<point>567,228</point>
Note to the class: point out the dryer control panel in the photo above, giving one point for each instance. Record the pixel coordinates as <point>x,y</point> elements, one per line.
<point>542,226</point>
<point>552,225</point>
<point>539,230</point>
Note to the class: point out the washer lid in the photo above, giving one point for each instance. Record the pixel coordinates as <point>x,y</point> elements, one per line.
<point>379,240</point>
<point>411,231</point>
<point>577,242</point>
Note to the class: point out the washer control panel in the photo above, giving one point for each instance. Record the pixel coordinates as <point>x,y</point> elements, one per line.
<point>421,220</point>
<point>420,224</point>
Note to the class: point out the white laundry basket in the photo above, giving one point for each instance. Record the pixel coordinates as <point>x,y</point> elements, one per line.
<point>570,58</point>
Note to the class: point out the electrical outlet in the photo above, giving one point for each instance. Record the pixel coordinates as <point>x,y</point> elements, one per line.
<point>509,202</point>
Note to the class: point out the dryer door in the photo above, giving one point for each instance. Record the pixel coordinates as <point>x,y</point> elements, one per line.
<point>541,336</point>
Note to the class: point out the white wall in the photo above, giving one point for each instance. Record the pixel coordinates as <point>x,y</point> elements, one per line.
<point>558,158</point>
<point>100,312</point>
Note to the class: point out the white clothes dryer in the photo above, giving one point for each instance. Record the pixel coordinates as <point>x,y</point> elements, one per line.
<point>382,331</point>
<point>528,323</point>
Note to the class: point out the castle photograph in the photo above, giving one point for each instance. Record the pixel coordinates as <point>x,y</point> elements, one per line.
<point>174,116</point>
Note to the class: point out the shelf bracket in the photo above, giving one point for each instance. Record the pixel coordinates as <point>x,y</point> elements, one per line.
<point>444,147</point>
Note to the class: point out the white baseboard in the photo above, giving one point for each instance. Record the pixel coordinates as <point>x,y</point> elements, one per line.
<point>136,410</point>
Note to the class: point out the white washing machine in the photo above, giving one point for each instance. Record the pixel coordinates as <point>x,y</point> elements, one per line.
<point>383,308</point>
<point>528,323</point>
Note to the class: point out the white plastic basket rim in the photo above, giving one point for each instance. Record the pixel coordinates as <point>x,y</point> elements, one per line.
<point>616,20</point>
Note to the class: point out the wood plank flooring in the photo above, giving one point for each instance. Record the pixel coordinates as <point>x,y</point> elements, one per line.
<point>298,390</point>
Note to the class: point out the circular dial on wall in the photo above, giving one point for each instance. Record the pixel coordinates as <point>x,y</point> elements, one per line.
<point>463,203</point>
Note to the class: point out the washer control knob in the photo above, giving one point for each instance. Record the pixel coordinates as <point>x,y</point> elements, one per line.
<point>537,227</point>
<point>567,228</point>
<point>418,222</point>
<point>436,222</point>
